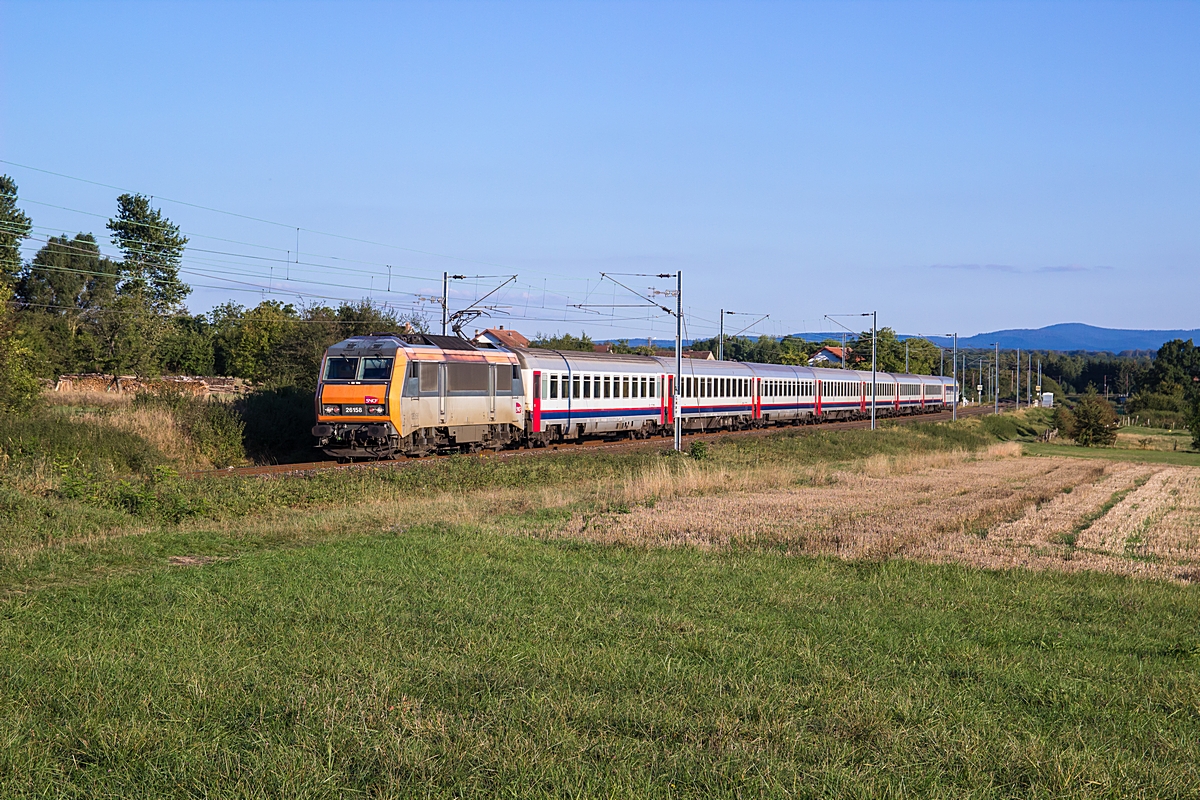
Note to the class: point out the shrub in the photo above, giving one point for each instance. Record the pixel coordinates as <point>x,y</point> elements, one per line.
<point>214,427</point>
<point>1064,420</point>
<point>1095,421</point>
<point>278,424</point>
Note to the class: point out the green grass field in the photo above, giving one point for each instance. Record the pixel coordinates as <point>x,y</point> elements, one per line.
<point>1185,459</point>
<point>449,663</point>
<point>357,634</point>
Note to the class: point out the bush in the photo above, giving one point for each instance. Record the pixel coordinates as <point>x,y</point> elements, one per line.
<point>279,424</point>
<point>1095,421</point>
<point>46,437</point>
<point>1064,420</point>
<point>1008,427</point>
<point>214,427</point>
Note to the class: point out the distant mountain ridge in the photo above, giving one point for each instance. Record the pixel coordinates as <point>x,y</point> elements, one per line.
<point>1064,336</point>
<point>1073,336</point>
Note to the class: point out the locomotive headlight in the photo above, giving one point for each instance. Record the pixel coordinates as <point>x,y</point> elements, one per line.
<point>331,409</point>
<point>376,410</point>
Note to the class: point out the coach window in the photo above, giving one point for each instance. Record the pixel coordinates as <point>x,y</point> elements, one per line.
<point>587,386</point>
<point>554,386</point>
<point>644,388</point>
<point>429,379</point>
<point>607,386</point>
<point>654,387</point>
<point>575,383</point>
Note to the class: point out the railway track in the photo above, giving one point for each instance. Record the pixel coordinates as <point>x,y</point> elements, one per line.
<point>596,445</point>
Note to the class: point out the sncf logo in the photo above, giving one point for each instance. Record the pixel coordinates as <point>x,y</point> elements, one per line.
<point>371,400</point>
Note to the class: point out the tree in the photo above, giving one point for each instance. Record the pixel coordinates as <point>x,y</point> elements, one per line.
<point>67,276</point>
<point>924,357</point>
<point>152,250</point>
<point>1064,420</point>
<point>1095,421</point>
<point>18,386</point>
<point>1176,364</point>
<point>564,342</point>
<point>14,226</point>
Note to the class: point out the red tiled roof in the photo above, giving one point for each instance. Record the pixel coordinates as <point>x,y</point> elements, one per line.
<point>508,338</point>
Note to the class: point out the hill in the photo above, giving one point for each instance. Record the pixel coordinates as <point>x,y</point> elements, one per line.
<point>1074,336</point>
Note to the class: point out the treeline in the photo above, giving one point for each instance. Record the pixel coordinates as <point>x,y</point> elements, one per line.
<point>72,309</point>
<point>923,356</point>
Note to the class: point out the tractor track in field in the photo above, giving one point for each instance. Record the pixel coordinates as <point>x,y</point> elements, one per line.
<point>659,443</point>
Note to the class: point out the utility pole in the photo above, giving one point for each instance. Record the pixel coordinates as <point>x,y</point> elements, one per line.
<point>678,357</point>
<point>996,385</point>
<point>906,356</point>
<point>445,300</point>
<point>721,339</point>
<point>874,336</point>
<point>1029,380</point>
<point>954,412</point>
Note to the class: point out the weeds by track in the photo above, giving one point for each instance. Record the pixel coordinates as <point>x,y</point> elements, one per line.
<point>599,444</point>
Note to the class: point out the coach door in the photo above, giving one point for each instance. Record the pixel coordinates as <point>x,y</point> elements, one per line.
<point>442,382</point>
<point>818,391</point>
<point>492,391</point>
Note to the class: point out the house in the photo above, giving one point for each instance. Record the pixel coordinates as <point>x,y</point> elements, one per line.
<point>827,356</point>
<point>500,337</point>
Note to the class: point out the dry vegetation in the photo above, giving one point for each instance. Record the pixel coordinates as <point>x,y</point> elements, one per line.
<point>994,509</point>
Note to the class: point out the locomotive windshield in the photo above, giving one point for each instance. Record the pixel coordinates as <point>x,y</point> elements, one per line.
<point>338,368</point>
<point>377,369</point>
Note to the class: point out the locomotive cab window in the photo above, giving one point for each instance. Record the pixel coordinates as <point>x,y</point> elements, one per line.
<point>339,368</point>
<point>377,369</point>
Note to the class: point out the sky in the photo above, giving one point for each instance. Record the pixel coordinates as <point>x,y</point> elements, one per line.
<point>958,167</point>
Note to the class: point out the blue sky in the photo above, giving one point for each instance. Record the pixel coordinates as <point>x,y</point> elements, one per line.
<point>956,166</point>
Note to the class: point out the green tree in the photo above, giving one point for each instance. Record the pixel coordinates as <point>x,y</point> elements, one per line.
<point>18,385</point>
<point>1095,421</point>
<point>188,346</point>
<point>1064,421</point>
<point>68,276</point>
<point>623,347</point>
<point>565,342</point>
<point>1177,364</point>
<point>924,357</point>
<point>14,226</point>
<point>152,253</point>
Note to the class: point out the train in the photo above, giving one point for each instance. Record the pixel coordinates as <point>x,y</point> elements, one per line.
<point>389,395</point>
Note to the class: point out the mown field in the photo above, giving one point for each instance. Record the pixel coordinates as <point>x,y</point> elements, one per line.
<point>916,612</point>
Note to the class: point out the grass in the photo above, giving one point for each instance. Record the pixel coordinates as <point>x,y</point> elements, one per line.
<point>422,631</point>
<point>1114,454</point>
<point>448,662</point>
